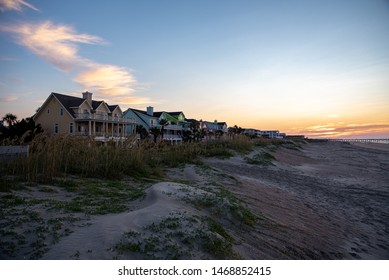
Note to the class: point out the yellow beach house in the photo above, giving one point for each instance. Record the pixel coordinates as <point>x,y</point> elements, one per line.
<point>64,114</point>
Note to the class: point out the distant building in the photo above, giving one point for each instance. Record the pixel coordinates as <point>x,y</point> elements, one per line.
<point>271,134</point>
<point>214,126</point>
<point>64,114</point>
<point>251,131</point>
<point>295,137</point>
<point>213,129</point>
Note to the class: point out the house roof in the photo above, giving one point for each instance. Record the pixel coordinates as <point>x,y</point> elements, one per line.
<point>157,114</point>
<point>112,107</point>
<point>174,113</point>
<point>69,101</point>
<point>138,113</point>
<point>96,104</point>
<point>214,125</point>
<point>171,116</point>
<point>191,120</point>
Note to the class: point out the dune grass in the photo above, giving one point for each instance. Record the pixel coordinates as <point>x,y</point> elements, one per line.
<point>61,156</point>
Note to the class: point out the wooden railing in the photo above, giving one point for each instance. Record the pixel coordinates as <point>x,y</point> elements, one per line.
<point>102,117</point>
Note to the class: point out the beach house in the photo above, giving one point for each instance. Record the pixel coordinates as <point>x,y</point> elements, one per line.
<point>172,129</point>
<point>82,116</point>
<point>213,129</point>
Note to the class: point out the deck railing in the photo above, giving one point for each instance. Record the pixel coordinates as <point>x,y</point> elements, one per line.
<point>100,134</point>
<point>102,117</point>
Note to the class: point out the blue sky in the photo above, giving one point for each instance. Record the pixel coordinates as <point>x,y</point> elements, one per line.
<point>315,67</point>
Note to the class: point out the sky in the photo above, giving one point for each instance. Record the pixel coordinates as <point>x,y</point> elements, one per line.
<point>313,67</point>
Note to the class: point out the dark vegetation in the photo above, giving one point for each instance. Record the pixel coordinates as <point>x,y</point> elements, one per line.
<point>18,132</point>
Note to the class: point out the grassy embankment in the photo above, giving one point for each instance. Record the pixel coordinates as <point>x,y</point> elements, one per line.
<point>58,157</point>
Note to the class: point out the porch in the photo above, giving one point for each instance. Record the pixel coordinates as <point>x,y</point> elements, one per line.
<point>103,130</point>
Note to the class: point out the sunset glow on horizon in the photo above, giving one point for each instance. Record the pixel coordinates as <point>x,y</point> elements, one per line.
<point>318,68</point>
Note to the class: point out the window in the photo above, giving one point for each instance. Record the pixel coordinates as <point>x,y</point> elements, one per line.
<point>61,112</point>
<point>56,128</point>
<point>71,125</point>
<point>48,111</point>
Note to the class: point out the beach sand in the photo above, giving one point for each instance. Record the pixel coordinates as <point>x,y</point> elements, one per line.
<point>320,201</point>
<point>331,199</point>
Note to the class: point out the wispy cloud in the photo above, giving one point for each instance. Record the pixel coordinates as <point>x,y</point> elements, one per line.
<point>5,99</point>
<point>340,130</point>
<point>16,5</point>
<point>59,45</point>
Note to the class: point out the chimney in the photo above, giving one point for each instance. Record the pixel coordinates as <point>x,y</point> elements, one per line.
<point>88,96</point>
<point>150,111</point>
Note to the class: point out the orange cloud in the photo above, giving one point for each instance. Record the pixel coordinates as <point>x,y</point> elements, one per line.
<point>112,83</point>
<point>107,79</point>
<point>58,44</point>
<point>16,5</point>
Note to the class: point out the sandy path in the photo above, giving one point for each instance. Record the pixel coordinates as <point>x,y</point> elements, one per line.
<point>331,198</point>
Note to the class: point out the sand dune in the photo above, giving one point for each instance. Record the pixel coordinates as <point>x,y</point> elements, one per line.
<point>97,240</point>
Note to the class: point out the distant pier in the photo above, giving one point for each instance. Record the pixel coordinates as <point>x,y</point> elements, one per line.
<point>381,141</point>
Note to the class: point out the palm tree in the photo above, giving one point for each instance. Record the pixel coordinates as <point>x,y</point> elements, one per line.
<point>10,119</point>
<point>155,132</point>
<point>142,131</point>
<point>162,123</point>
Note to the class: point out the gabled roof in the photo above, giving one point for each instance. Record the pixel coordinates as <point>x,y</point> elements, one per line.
<point>96,104</point>
<point>174,114</point>
<point>214,125</point>
<point>171,118</point>
<point>69,101</point>
<point>138,113</point>
<point>72,102</point>
<point>157,114</point>
<point>112,107</point>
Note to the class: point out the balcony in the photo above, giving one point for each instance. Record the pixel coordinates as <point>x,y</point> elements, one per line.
<point>102,117</point>
<point>170,127</point>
